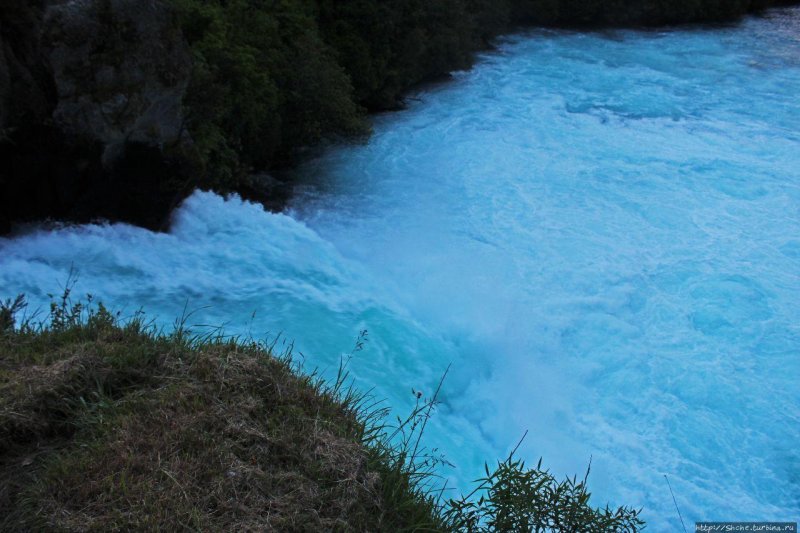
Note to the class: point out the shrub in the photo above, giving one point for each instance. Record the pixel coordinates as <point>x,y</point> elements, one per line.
<point>263,82</point>
<point>516,498</point>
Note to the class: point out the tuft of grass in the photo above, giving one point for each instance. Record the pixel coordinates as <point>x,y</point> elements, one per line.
<point>111,424</point>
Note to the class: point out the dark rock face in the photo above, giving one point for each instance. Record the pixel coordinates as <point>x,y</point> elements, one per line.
<point>120,70</point>
<point>25,87</point>
<point>90,111</point>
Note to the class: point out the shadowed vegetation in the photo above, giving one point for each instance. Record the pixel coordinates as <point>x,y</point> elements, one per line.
<point>272,77</point>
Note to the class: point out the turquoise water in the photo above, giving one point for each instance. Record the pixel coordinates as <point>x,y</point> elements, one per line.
<point>600,231</point>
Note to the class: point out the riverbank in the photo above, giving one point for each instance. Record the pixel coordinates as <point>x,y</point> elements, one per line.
<point>114,425</point>
<point>108,111</point>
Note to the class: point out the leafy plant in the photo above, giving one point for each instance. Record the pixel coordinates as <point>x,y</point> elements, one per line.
<point>515,498</point>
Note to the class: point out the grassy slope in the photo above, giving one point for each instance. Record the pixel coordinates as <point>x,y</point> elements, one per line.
<point>105,427</point>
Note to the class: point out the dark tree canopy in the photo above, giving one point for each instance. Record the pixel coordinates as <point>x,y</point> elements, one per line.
<point>272,76</point>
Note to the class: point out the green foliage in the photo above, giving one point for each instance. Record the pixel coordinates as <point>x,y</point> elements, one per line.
<point>514,498</point>
<point>263,82</point>
<point>385,47</point>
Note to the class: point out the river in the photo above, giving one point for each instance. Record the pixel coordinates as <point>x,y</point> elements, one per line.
<point>600,231</point>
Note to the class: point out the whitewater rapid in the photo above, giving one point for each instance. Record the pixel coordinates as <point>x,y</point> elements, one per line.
<point>600,231</point>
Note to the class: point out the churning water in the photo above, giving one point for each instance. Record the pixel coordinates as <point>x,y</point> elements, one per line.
<point>600,231</point>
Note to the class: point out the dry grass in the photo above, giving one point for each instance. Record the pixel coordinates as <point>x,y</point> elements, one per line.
<point>104,427</point>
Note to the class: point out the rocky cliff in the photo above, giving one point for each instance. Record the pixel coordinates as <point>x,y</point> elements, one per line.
<point>90,110</point>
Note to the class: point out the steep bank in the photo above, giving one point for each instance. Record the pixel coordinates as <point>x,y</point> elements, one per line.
<point>109,425</point>
<point>117,109</point>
